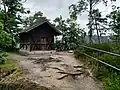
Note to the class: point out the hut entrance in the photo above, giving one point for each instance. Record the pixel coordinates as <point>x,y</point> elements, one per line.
<point>43,42</point>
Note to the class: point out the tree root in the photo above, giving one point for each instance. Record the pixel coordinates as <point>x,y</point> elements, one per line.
<point>56,68</point>
<point>62,77</point>
<point>71,74</point>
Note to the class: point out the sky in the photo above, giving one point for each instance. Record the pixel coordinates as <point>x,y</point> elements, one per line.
<point>54,8</point>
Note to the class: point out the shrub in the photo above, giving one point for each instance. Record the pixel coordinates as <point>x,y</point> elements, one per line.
<point>2,57</point>
<point>106,47</point>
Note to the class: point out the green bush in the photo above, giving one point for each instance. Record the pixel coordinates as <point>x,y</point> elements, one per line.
<point>78,53</point>
<point>113,60</point>
<point>2,57</point>
<point>5,39</point>
<point>112,81</point>
<point>106,47</point>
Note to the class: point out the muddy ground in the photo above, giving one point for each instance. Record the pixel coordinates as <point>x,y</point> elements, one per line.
<point>57,71</point>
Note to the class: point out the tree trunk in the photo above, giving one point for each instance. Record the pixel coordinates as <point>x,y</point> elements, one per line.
<point>97,30</point>
<point>90,22</point>
<point>5,16</point>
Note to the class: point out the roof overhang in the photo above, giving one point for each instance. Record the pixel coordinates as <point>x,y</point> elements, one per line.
<point>58,32</point>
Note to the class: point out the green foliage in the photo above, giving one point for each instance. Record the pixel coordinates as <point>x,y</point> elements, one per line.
<point>72,34</point>
<point>78,53</point>
<point>113,60</point>
<point>112,82</point>
<point>106,47</point>
<point>2,57</point>
<point>5,39</point>
<point>79,8</point>
<point>10,64</point>
<point>115,23</point>
<point>97,22</point>
<point>11,14</point>
<point>2,60</point>
<point>35,19</point>
<point>58,46</point>
<point>109,77</point>
<point>95,18</point>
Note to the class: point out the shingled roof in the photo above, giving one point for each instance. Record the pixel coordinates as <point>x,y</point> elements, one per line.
<point>39,24</point>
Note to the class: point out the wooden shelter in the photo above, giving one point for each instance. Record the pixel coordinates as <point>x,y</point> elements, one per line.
<point>38,37</point>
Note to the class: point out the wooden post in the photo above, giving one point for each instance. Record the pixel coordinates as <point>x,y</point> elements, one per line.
<point>26,44</point>
<point>30,44</point>
<point>23,44</point>
<point>34,41</point>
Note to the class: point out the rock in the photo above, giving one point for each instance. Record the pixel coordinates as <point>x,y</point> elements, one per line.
<point>70,51</point>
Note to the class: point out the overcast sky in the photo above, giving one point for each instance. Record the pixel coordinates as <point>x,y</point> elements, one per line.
<point>55,8</point>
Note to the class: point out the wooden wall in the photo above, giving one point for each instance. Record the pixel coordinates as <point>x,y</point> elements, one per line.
<point>32,39</point>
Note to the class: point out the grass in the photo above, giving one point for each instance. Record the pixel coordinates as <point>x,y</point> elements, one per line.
<point>9,64</point>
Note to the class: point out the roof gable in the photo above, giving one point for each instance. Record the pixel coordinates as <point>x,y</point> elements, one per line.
<point>39,24</point>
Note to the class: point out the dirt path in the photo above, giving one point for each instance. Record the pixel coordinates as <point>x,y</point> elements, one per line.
<point>45,72</point>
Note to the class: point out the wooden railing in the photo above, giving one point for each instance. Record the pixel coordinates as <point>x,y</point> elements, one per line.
<point>102,51</point>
